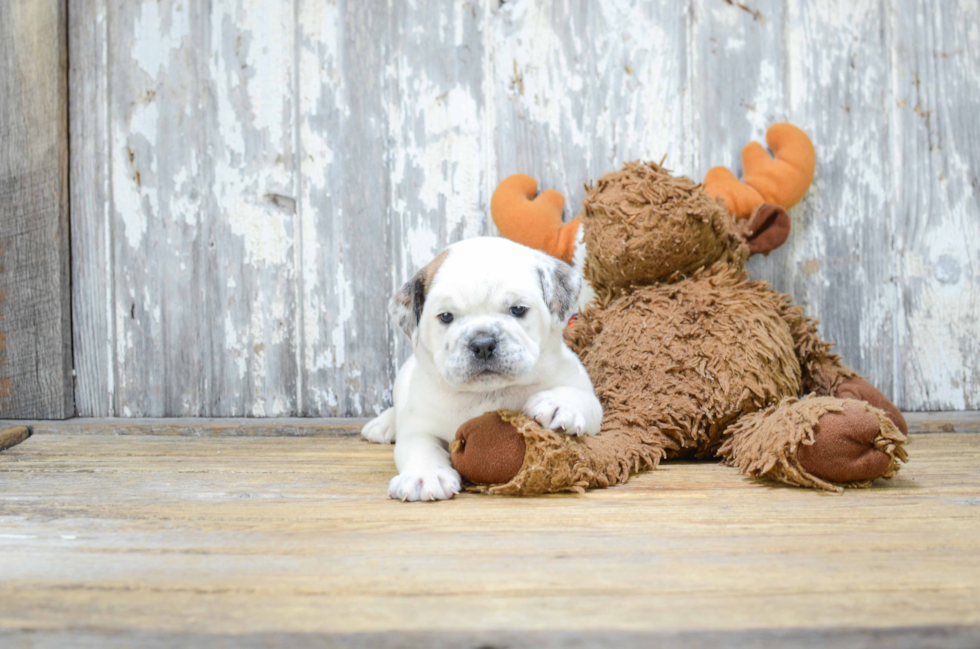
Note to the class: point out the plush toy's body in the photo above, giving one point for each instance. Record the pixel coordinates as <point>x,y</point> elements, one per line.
<point>689,356</point>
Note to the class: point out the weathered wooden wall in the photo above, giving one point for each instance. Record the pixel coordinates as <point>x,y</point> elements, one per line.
<point>35,286</point>
<point>252,179</point>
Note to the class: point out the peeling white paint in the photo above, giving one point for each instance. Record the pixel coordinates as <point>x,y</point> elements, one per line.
<point>345,309</point>
<point>156,37</point>
<point>133,169</point>
<point>262,230</point>
<point>231,171</point>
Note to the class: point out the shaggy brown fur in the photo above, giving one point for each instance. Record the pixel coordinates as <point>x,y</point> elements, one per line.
<point>691,357</point>
<point>701,377</point>
<point>550,464</point>
<point>642,225</point>
<point>771,443</point>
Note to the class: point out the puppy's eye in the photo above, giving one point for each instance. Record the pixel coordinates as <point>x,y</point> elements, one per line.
<point>445,318</point>
<point>518,311</point>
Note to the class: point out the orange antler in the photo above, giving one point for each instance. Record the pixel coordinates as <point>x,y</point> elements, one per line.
<point>534,222</point>
<point>782,180</point>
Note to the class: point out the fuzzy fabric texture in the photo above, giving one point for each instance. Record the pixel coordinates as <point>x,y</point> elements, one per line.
<point>687,358</point>
<point>690,357</point>
<point>554,462</point>
<point>768,443</point>
<point>643,225</point>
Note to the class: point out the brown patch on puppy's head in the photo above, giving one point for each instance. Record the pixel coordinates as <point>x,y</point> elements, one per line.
<point>407,304</point>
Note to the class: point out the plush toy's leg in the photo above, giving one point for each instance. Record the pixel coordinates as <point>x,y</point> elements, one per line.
<point>825,374</point>
<point>505,452</point>
<point>859,389</point>
<point>821,442</point>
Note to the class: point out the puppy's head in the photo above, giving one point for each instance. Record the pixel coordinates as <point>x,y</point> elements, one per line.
<point>485,309</point>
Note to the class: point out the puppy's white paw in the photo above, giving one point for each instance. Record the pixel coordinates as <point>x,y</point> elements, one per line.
<point>434,484</point>
<point>381,429</point>
<point>551,411</point>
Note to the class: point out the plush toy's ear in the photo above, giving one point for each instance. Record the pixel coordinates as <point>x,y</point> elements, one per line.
<point>407,303</point>
<point>781,180</point>
<point>768,229</point>
<point>533,221</point>
<point>560,285</point>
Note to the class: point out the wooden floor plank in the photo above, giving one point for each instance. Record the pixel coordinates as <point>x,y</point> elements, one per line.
<point>151,534</point>
<point>967,421</point>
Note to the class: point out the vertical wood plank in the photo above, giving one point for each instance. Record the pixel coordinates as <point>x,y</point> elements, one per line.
<point>35,306</point>
<point>250,309</point>
<point>936,204</point>
<point>199,273</point>
<point>322,112</point>
<point>580,87</point>
<point>159,182</point>
<point>93,310</point>
<point>346,276</point>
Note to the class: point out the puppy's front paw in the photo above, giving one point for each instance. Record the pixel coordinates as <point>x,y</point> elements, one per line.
<point>556,413</point>
<point>381,429</point>
<point>435,484</point>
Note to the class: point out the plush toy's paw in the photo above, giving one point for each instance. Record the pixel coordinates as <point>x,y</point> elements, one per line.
<point>859,389</point>
<point>381,429</point>
<point>844,449</point>
<point>488,450</point>
<point>557,413</point>
<point>434,484</point>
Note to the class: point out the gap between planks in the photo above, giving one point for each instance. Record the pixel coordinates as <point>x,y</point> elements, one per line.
<point>919,423</point>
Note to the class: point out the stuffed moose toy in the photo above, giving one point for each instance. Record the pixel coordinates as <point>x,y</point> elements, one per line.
<point>689,356</point>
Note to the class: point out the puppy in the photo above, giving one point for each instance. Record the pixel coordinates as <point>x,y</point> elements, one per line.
<point>485,318</point>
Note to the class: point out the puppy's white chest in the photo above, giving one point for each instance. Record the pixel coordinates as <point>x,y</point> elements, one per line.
<point>456,409</point>
<point>512,399</point>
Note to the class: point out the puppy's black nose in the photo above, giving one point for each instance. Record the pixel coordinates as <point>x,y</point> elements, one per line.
<point>483,347</point>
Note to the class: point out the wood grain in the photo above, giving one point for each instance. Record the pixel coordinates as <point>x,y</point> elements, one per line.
<point>947,637</point>
<point>35,297</point>
<point>578,88</point>
<point>223,426</point>
<point>11,437</point>
<point>346,279</point>
<point>918,423</point>
<point>186,537</point>
<point>92,268</point>
<point>935,68</point>
<point>328,150</point>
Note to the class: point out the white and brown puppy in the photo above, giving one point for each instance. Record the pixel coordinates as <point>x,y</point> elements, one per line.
<point>485,319</point>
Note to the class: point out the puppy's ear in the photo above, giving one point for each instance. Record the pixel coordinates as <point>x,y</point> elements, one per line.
<point>560,284</point>
<point>406,305</point>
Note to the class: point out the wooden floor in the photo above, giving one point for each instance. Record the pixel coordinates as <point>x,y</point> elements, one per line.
<point>121,539</point>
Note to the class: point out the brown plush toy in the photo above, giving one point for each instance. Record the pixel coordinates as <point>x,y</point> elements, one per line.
<point>689,356</point>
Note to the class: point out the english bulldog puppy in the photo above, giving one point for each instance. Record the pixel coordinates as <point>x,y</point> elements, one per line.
<point>485,318</point>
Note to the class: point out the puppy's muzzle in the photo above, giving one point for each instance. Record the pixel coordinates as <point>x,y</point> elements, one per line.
<point>483,347</point>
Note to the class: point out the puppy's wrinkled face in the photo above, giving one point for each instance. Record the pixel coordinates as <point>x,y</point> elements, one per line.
<point>483,310</point>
